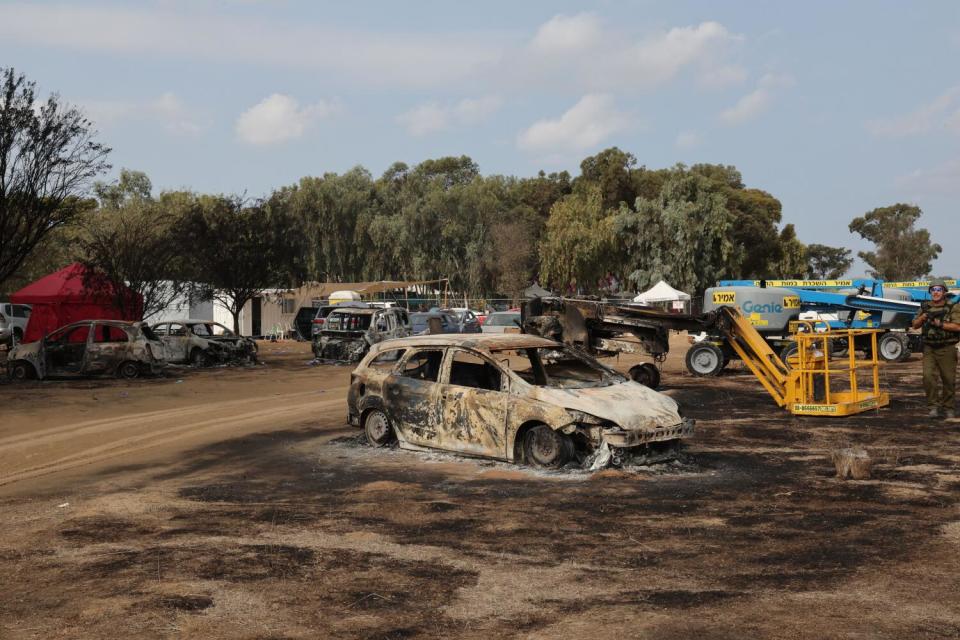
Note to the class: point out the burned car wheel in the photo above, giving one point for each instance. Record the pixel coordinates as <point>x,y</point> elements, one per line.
<point>646,374</point>
<point>378,429</point>
<point>544,447</point>
<point>199,359</point>
<point>20,371</point>
<point>128,370</point>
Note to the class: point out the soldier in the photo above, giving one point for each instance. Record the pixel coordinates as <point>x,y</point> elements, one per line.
<point>940,320</point>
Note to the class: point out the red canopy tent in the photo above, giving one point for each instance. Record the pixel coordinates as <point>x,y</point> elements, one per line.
<point>67,296</point>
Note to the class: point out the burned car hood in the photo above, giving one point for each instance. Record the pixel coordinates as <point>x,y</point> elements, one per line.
<point>630,404</point>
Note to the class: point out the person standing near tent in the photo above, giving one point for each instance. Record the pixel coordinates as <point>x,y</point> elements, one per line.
<point>940,323</point>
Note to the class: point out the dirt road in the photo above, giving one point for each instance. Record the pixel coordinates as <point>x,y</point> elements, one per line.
<point>237,504</point>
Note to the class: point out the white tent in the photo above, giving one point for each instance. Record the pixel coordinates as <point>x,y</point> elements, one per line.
<point>662,292</point>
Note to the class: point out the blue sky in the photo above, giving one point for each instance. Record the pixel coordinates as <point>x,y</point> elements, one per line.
<point>835,108</point>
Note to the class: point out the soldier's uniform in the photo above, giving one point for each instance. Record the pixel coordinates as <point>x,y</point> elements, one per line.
<point>940,356</point>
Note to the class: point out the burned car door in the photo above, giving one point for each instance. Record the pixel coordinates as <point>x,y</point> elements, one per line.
<point>474,405</point>
<point>176,344</point>
<point>411,397</point>
<point>64,350</point>
<point>105,348</point>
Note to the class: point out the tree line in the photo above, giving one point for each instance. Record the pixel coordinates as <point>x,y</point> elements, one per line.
<point>492,235</point>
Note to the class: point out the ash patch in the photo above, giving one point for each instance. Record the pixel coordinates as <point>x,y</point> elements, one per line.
<point>95,529</point>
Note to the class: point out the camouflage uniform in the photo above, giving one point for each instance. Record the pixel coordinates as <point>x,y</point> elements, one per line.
<point>940,356</point>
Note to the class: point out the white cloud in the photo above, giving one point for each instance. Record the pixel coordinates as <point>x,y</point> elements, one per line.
<point>406,59</point>
<point>432,116</point>
<point>722,76</point>
<point>941,113</point>
<point>581,52</point>
<point>168,110</point>
<point>279,118</point>
<point>586,124</point>
<point>660,58</point>
<point>566,34</point>
<point>757,101</point>
<point>687,139</point>
<point>941,180</point>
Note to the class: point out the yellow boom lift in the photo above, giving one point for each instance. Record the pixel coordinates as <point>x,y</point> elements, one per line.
<point>805,384</point>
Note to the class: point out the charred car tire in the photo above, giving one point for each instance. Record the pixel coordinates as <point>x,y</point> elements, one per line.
<point>128,370</point>
<point>704,359</point>
<point>646,374</point>
<point>378,429</point>
<point>543,447</point>
<point>199,359</point>
<point>20,370</point>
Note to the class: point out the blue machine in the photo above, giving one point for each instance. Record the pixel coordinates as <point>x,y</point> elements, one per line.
<point>771,305</point>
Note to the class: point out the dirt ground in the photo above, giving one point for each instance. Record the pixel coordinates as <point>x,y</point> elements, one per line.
<point>236,503</point>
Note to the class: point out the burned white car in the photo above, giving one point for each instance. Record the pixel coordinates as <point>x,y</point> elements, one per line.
<point>517,397</point>
<point>203,343</point>
<point>91,347</point>
<point>348,332</point>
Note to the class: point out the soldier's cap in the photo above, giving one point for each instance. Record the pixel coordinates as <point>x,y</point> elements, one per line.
<point>938,282</point>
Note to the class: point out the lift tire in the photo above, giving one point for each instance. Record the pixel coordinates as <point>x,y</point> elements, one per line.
<point>893,347</point>
<point>704,359</point>
<point>646,374</point>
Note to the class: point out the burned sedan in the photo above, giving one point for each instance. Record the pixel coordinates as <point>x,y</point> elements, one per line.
<point>203,343</point>
<point>517,397</point>
<point>92,347</point>
<point>348,332</point>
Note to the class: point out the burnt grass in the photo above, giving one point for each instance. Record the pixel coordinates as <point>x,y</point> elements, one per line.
<point>758,511</point>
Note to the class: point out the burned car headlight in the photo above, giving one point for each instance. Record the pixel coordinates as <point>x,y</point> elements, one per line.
<point>582,417</point>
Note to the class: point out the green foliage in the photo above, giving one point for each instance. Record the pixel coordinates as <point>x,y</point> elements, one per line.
<point>47,158</point>
<point>133,239</point>
<point>578,241</point>
<point>903,252</point>
<point>240,250</point>
<point>793,258</point>
<point>827,262</point>
<point>683,236</point>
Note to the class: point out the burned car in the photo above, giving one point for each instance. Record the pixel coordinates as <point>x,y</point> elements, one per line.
<point>348,332</point>
<point>512,397</point>
<point>91,347</point>
<point>203,343</point>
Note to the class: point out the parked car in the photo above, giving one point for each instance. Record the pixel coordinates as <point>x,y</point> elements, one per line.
<point>469,321</point>
<point>519,398</point>
<point>91,347</point>
<point>13,321</point>
<point>303,322</point>
<point>444,322</point>
<point>502,322</point>
<point>349,331</point>
<point>203,343</point>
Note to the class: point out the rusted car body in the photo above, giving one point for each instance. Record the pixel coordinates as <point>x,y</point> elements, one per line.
<point>348,332</point>
<point>511,397</point>
<point>92,347</point>
<point>203,343</point>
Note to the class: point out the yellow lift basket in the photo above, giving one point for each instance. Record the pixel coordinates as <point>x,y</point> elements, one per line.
<point>803,385</point>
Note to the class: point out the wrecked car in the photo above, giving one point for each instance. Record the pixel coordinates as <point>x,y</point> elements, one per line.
<point>203,343</point>
<point>92,347</point>
<point>349,332</point>
<point>512,397</point>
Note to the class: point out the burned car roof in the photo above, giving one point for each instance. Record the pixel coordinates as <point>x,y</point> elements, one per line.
<point>489,342</point>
